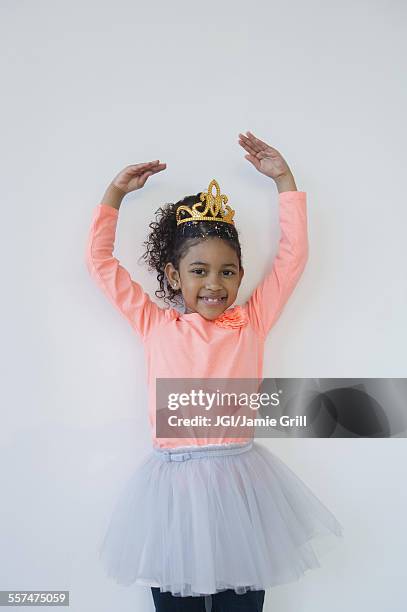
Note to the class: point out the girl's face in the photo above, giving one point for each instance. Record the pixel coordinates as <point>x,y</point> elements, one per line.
<point>208,269</point>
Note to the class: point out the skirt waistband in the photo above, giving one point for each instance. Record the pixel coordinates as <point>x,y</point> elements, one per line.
<point>195,453</point>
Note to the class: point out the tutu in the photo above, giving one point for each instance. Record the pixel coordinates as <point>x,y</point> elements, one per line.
<point>195,521</point>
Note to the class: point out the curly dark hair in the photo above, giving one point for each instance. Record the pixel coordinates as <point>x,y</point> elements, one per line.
<point>166,243</point>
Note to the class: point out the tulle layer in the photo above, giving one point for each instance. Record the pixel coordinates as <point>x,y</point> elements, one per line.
<point>200,526</point>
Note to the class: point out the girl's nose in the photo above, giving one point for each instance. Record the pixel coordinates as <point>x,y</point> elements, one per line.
<point>213,285</point>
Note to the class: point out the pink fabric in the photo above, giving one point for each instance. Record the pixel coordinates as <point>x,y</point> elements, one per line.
<point>188,345</point>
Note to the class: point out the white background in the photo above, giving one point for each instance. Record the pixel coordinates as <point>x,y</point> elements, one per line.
<point>90,87</point>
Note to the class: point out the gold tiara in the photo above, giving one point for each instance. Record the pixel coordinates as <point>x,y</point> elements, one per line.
<point>214,203</point>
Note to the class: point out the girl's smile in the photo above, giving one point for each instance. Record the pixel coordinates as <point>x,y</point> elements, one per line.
<point>213,303</point>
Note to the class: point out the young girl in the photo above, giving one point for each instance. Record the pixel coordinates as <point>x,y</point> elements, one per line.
<point>223,518</point>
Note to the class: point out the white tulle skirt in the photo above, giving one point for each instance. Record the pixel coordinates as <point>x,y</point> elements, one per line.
<point>196,524</point>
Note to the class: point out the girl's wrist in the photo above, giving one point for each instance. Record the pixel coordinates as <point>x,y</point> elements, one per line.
<point>113,196</point>
<point>286,182</point>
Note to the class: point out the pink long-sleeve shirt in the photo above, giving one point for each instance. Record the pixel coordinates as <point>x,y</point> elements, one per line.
<point>180,345</point>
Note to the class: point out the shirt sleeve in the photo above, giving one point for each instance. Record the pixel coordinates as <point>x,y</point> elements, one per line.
<point>269,298</point>
<point>114,280</point>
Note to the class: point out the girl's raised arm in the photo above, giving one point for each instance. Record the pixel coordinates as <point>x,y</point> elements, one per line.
<point>113,279</point>
<point>269,298</point>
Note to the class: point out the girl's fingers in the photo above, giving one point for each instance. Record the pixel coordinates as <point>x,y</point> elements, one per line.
<point>143,165</point>
<point>146,166</point>
<point>256,142</point>
<point>253,161</point>
<point>252,143</point>
<point>245,138</point>
<point>144,175</point>
<point>155,164</point>
<point>248,148</point>
<point>251,151</point>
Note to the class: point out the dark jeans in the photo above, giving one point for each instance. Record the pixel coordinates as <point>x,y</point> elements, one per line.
<point>225,601</point>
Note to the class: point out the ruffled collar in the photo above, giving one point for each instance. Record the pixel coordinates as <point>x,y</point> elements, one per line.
<point>232,318</point>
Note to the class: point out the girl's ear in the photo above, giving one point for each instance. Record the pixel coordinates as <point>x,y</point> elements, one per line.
<point>167,272</point>
<point>172,275</point>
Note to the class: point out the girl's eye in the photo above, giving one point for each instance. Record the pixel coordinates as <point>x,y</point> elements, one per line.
<point>228,272</point>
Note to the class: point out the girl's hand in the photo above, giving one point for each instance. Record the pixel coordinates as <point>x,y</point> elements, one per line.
<point>134,177</point>
<point>264,158</point>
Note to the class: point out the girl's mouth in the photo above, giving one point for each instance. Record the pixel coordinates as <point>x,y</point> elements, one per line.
<point>213,301</point>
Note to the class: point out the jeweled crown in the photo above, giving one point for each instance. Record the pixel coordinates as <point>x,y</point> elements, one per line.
<point>215,204</point>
